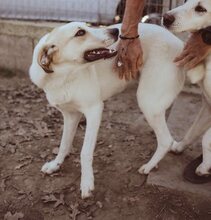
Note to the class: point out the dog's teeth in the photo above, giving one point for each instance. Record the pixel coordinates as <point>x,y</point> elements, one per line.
<point>111,51</point>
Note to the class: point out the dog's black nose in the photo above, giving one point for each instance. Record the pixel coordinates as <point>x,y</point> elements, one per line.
<point>168,20</point>
<point>114,32</point>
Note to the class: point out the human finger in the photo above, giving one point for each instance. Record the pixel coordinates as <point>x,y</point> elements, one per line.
<point>184,61</point>
<point>192,63</point>
<point>134,69</point>
<point>127,71</point>
<point>181,56</point>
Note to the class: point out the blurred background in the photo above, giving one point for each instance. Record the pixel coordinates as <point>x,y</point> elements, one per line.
<point>99,12</point>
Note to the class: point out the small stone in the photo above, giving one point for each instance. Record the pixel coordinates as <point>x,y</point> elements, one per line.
<point>11,148</point>
<point>99,204</point>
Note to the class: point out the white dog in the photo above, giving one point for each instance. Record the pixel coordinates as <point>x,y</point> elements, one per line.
<point>75,69</point>
<point>192,16</point>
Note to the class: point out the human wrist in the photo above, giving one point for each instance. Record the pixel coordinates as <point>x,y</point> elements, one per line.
<point>129,32</point>
<point>132,16</point>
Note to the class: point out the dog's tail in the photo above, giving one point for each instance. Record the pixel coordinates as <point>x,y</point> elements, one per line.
<point>196,74</point>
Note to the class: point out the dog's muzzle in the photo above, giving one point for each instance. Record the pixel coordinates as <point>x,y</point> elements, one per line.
<point>103,52</point>
<point>168,20</point>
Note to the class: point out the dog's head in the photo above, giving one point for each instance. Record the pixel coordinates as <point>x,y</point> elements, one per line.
<point>76,44</point>
<point>192,16</point>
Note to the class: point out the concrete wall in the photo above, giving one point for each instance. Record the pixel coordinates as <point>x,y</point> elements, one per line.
<point>17,40</point>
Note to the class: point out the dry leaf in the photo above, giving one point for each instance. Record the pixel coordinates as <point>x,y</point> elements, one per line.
<point>59,201</point>
<point>16,216</point>
<point>101,142</point>
<point>44,154</point>
<point>3,185</point>
<point>49,198</point>
<point>130,138</point>
<point>108,126</point>
<point>99,204</point>
<point>21,132</point>
<point>52,198</point>
<point>11,148</point>
<point>23,164</point>
<point>25,158</point>
<point>75,211</point>
<point>55,151</point>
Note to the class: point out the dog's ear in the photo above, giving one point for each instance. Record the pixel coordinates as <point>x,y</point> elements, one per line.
<point>46,57</point>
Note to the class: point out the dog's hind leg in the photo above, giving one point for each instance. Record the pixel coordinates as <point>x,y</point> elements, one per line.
<point>93,117</point>
<point>156,93</point>
<point>155,111</point>
<point>71,121</point>
<point>200,125</point>
<point>164,141</point>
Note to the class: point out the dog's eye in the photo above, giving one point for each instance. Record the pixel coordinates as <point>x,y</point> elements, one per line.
<point>199,8</point>
<point>81,32</point>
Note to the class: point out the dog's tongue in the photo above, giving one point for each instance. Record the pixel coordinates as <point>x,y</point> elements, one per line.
<point>99,53</point>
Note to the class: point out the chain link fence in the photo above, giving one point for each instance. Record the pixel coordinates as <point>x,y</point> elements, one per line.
<point>152,12</point>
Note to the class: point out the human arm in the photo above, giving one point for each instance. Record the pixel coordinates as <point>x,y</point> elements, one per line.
<point>129,57</point>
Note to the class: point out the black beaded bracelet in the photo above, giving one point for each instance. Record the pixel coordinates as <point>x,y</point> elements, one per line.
<point>128,38</point>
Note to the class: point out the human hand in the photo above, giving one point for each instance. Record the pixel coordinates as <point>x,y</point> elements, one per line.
<point>194,52</point>
<point>129,59</point>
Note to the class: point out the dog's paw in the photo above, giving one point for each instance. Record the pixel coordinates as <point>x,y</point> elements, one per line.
<point>50,167</point>
<point>146,168</point>
<point>177,147</point>
<point>203,170</point>
<point>87,186</point>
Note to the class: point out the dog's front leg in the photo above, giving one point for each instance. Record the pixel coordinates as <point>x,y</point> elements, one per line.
<point>93,117</point>
<point>70,126</point>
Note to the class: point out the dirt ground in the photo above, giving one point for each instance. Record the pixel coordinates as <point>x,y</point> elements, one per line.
<point>30,132</point>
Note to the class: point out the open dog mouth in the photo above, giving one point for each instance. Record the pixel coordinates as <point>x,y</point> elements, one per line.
<point>99,53</point>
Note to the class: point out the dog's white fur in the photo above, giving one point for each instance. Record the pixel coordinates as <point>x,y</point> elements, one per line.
<point>77,87</point>
<point>188,19</point>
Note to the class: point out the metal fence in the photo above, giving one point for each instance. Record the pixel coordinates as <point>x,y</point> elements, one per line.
<point>95,11</point>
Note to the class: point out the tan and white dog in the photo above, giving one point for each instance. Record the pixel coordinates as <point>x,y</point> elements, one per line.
<point>74,67</point>
<point>192,16</point>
